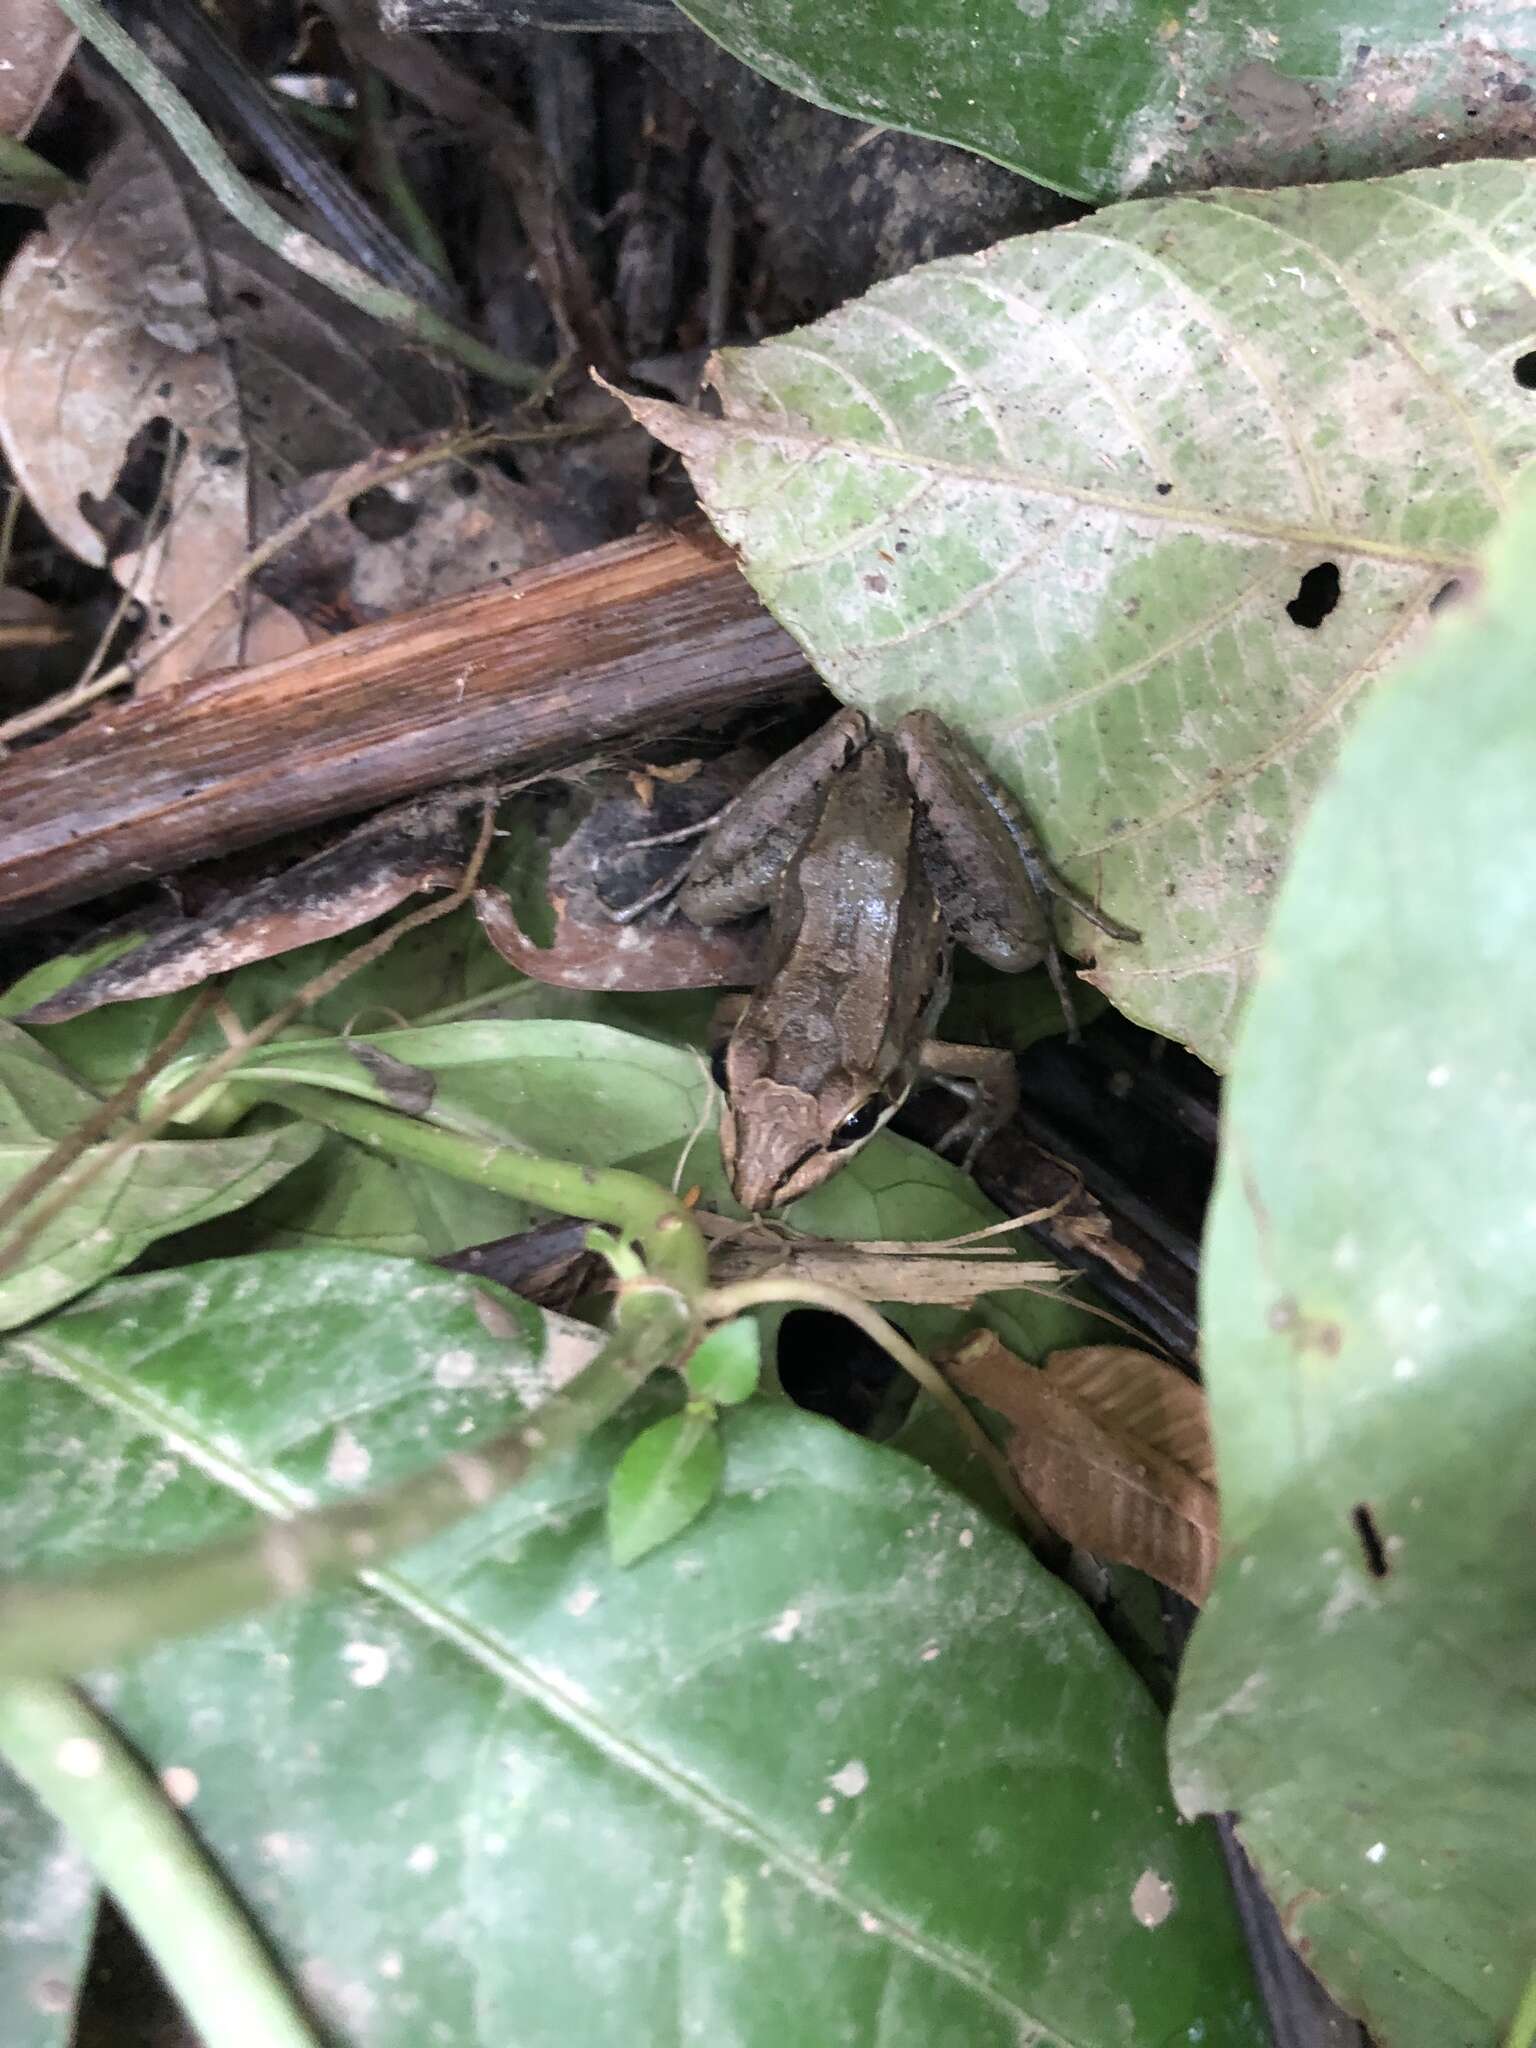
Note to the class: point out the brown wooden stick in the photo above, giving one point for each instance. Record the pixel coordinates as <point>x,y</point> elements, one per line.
<point>638,637</point>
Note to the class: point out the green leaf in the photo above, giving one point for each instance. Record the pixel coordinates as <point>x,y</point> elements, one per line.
<point>725,1366</point>
<point>664,1481</point>
<point>1103,102</point>
<point>147,1192</point>
<point>1064,491</point>
<point>1362,1689</point>
<point>47,1908</point>
<point>843,1760</point>
<point>572,1090</point>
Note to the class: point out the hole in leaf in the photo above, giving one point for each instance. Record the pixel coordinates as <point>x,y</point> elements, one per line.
<point>1525,370</point>
<point>379,516</point>
<point>138,504</point>
<point>1163,489</point>
<point>1448,593</point>
<point>1316,596</point>
<point>1370,1541</point>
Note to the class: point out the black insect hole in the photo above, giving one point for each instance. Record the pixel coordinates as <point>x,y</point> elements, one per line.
<point>1525,370</point>
<point>1316,596</point>
<point>137,506</point>
<point>1370,1541</point>
<point>1446,594</point>
<point>379,516</point>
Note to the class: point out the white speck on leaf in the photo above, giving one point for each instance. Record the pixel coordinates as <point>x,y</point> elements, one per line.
<point>870,1923</point>
<point>347,1463</point>
<point>927,1653</point>
<point>390,1964</point>
<point>368,1663</point>
<point>1376,1852</point>
<point>1404,1369</point>
<point>422,1859</point>
<point>826,1804</point>
<point>454,1369</point>
<point>1438,1076</point>
<point>180,1784</point>
<point>787,1627</point>
<point>1153,1898</point>
<point>967,1538</point>
<point>80,1757</point>
<point>582,1601</point>
<point>852,1779</point>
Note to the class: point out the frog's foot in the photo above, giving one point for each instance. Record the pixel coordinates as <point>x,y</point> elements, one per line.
<point>983,1076</point>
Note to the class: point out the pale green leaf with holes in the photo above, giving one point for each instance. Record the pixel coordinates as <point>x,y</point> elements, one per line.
<point>1063,492</point>
<point>1362,1686</point>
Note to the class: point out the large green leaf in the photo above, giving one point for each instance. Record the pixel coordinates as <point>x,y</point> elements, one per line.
<point>1064,491</point>
<point>1362,1689</point>
<point>1106,101</point>
<point>840,1763</point>
<point>144,1193</point>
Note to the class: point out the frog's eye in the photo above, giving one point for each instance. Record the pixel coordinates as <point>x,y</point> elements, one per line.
<point>717,1064</point>
<point>855,1128</point>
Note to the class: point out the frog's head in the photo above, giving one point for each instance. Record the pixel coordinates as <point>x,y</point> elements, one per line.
<point>779,1142</point>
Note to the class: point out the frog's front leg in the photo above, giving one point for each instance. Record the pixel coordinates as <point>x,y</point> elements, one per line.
<point>985,1078</point>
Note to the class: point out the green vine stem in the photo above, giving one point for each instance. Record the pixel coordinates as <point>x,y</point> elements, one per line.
<point>77,1764</point>
<point>244,204</point>
<point>661,1225</point>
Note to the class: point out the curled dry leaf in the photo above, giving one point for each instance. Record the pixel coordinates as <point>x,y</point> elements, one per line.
<point>38,43</point>
<point>143,329</point>
<point>395,855</point>
<point>1139,1396</point>
<point>1090,1476</point>
<point>430,534</point>
<point>604,868</point>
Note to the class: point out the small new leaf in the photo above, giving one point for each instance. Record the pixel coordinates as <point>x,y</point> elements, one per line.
<point>663,1482</point>
<point>726,1365</point>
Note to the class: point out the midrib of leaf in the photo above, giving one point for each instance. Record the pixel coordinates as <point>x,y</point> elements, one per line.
<point>270,1496</point>
<point>806,446</point>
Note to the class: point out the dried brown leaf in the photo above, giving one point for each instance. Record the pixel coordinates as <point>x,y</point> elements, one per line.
<point>427,535</point>
<point>1142,1398</point>
<point>1124,1501</point>
<point>143,314</point>
<point>606,866</point>
<point>393,856</point>
<point>38,43</point>
<point>911,1275</point>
